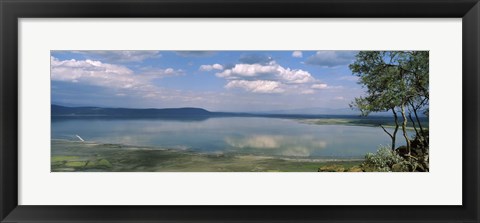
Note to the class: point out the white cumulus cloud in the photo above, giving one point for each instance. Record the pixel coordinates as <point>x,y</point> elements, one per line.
<point>153,72</point>
<point>211,67</point>
<point>295,76</point>
<point>270,71</point>
<point>256,86</point>
<point>93,73</point>
<point>97,73</point>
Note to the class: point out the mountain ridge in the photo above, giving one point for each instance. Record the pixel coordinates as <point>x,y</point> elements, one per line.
<point>92,111</point>
<point>58,110</point>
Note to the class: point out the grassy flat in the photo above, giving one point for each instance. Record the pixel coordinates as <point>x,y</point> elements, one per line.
<point>387,123</point>
<point>70,156</point>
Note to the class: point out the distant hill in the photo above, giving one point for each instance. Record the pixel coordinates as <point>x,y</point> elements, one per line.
<point>58,110</point>
<point>188,113</point>
<point>198,114</point>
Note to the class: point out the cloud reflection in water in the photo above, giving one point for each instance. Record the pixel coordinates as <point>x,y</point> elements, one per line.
<point>283,145</point>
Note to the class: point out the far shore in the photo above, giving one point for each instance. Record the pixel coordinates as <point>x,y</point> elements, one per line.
<point>352,122</point>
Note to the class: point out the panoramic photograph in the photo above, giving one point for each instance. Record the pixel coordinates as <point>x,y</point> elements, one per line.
<point>239,111</point>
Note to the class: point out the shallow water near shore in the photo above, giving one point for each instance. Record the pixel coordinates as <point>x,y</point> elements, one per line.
<point>239,135</point>
<point>70,156</point>
<point>227,144</point>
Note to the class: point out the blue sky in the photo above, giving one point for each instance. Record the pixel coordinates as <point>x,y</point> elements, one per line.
<point>214,80</point>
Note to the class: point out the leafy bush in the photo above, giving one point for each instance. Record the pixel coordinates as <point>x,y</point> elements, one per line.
<point>400,160</point>
<point>385,160</point>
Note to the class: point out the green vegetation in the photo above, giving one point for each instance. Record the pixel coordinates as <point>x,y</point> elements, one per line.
<point>385,160</point>
<point>396,81</point>
<point>345,166</point>
<point>387,123</point>
<point>92,157</point>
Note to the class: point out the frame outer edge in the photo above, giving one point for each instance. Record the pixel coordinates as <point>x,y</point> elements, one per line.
<point>477,58</point>
<point>3,209</point>
<point>476,63</point>
<point>2,190</point>
<point>8,111</point>
<point>471,120</point>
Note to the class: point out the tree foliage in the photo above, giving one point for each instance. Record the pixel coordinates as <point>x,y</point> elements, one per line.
<point>395,81</point>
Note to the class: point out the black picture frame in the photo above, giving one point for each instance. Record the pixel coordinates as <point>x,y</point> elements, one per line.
<point>12,10</point>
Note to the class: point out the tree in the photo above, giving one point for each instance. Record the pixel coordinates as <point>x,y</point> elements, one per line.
<point>417,65</point>
<point>395,81</point>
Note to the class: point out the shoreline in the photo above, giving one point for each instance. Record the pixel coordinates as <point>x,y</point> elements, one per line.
<point>76,156</point>
<point>349,122</point>
<point>193,152</point>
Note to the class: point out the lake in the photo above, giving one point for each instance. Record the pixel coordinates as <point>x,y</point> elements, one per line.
<point>236,135</point>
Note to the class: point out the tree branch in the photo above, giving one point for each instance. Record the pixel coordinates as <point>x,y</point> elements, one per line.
<point>386,131</point>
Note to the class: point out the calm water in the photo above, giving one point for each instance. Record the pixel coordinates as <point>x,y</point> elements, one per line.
<point>260,136</point>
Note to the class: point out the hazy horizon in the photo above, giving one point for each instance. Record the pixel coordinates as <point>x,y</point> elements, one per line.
<point>299,111</point>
